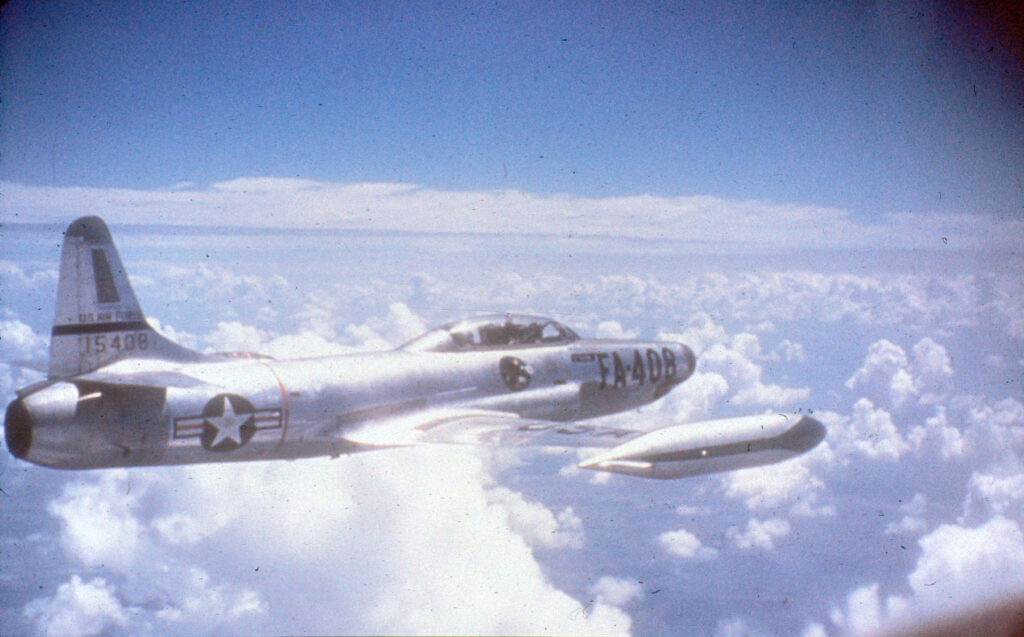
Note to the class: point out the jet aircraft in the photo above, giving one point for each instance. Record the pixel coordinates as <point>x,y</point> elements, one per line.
<point>120,394</point>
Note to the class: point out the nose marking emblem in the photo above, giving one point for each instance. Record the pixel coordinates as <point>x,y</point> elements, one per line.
<point>514,372</point>
<point>228,422</point>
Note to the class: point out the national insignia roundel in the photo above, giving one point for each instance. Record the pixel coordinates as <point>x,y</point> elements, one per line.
<point>229,422</point>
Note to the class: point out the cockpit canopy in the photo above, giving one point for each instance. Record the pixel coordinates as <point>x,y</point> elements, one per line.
<point>493,331</point>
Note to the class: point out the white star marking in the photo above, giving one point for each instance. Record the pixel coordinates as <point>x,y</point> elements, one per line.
<point>228,425</point>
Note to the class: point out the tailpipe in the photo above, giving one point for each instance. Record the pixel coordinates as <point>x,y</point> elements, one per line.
<point>40,424</point>
<point>18,429</point>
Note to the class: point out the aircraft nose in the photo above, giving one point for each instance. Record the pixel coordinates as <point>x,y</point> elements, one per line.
<point>685,363</point>
<point>687,355</point>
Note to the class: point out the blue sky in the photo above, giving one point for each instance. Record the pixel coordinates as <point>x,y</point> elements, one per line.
<point>872,109</point>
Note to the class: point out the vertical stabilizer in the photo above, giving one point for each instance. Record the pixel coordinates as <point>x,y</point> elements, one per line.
<point>99,320</point>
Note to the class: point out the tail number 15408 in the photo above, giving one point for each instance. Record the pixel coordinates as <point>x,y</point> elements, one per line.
<point>118,342</point>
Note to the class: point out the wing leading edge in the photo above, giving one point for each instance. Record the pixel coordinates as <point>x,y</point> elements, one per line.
<point>483,427</point>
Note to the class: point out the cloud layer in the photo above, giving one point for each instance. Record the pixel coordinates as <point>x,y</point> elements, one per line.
<point>912,371</point>
<point>290,203</point>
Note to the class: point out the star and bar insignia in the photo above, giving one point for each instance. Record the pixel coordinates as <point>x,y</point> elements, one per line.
<point>228,422</point>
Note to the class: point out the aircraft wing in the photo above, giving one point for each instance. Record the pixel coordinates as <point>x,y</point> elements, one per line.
<point>675,451</point>
<point>483,427</point>
<point>38,366</point>
<point>156,379</point>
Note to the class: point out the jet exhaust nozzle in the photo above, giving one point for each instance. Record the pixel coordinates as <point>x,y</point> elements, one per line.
<point>38,424</point>
<point>18,429</point>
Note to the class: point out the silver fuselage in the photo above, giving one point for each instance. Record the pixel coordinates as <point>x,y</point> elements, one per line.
<point>308,407</point>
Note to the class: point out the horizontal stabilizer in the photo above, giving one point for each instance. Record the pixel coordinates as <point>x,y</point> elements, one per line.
<point>38,366</point>
<point>153,379</point>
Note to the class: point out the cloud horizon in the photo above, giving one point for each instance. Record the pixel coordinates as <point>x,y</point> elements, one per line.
<point>280,202</point>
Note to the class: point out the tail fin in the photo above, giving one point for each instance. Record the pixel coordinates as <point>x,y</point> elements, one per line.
<point>98,320</point>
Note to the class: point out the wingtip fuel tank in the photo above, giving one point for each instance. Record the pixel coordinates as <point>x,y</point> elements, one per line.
<point>682,451</point>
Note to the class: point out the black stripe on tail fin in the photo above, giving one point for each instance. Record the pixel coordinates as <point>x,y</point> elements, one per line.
<point>99,320</point>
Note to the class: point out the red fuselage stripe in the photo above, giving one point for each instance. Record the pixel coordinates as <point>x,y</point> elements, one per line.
<point>284,404</point>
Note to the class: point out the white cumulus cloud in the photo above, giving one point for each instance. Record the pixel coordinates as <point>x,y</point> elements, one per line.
<point>759,534</point>
<point>913,520</point>
<point>938,434</point>
<point>870,432</point>
<point>924,375</point>
<point>682,543</point>
<point>615,590</point>
<point>18,341</point>
<point>791,484</point>
<point>535,523</point>
<point>959,568</point>
<point>77,609</point>
<point>377,544</point>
